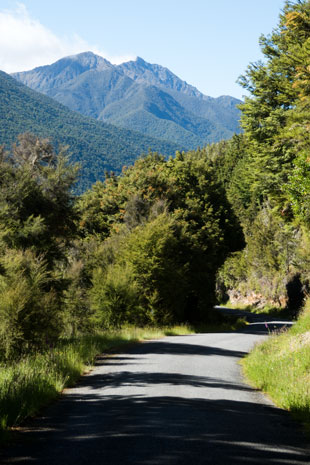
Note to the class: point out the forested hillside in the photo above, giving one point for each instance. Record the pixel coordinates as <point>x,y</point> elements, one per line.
<point>97,146</point>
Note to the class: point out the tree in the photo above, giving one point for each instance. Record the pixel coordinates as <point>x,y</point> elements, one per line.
<point>175,228</point>
<point>37,222</point>
<point>272,85</point>
<point>269,184</point>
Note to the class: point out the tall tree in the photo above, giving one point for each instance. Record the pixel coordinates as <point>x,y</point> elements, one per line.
<point>37,222</point>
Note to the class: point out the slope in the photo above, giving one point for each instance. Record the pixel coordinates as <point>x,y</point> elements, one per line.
<point>95,145</point>
<point>221,110</point>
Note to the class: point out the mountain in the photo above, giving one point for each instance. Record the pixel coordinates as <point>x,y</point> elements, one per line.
<point>96,145</point>
<point>137,95</point>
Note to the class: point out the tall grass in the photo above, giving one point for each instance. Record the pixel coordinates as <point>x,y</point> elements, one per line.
<point>280,367</point>
<point>33,381</point>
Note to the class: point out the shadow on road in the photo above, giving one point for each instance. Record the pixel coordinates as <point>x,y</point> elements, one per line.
<point>109,423</point>
<point>171,348</point>
<point>258,323</point>
<point>118,430</point>
<point>266,327</point>
<point>142,379</point>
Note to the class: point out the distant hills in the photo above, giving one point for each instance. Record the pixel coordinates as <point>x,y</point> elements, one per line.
<point>137,95</point>
<point>98,146</point>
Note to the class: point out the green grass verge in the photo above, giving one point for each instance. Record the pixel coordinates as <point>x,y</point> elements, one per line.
<point>280,366</point>
<point>35,380</point>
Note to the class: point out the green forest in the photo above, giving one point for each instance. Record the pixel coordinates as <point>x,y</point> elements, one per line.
<point>164,241</point>
<point>97,146</point>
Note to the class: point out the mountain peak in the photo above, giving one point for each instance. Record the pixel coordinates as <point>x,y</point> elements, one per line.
<point>45,78</point>
<point>140,60</point>
<point>152,74</point>
<point>89,60</point>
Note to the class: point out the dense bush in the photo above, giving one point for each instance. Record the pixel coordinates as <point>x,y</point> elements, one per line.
<point>168,227</point>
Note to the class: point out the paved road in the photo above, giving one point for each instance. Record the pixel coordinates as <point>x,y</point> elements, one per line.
<point>258,318</point>
<point>179,400</point>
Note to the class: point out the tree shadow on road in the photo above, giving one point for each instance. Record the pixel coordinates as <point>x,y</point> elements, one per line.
<point>140,430</point>
<point>144,379</point>
<point>177,348</point>
<point>100,426</point>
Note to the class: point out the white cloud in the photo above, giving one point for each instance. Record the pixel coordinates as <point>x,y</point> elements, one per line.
<point>25,43</point>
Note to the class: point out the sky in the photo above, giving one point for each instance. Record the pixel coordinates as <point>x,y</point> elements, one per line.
<point>207,43</point>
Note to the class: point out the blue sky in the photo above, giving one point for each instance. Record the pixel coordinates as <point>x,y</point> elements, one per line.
<point>207,43</point>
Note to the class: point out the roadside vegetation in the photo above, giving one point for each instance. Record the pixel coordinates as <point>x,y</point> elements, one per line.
<point>38,378</point>
<point>265,171</point>
<point>268,310</point>
<point>280,366</point>
<point>266,174</point>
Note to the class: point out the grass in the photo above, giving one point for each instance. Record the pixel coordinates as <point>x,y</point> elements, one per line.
<point>32,382</point>
<point>35,380</point>
<point>280,367</point>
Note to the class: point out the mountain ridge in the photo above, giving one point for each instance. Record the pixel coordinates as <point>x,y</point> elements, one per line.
<point>91,85</point>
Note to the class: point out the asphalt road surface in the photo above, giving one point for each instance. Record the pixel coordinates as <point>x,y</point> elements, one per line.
<point>179,400</point>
